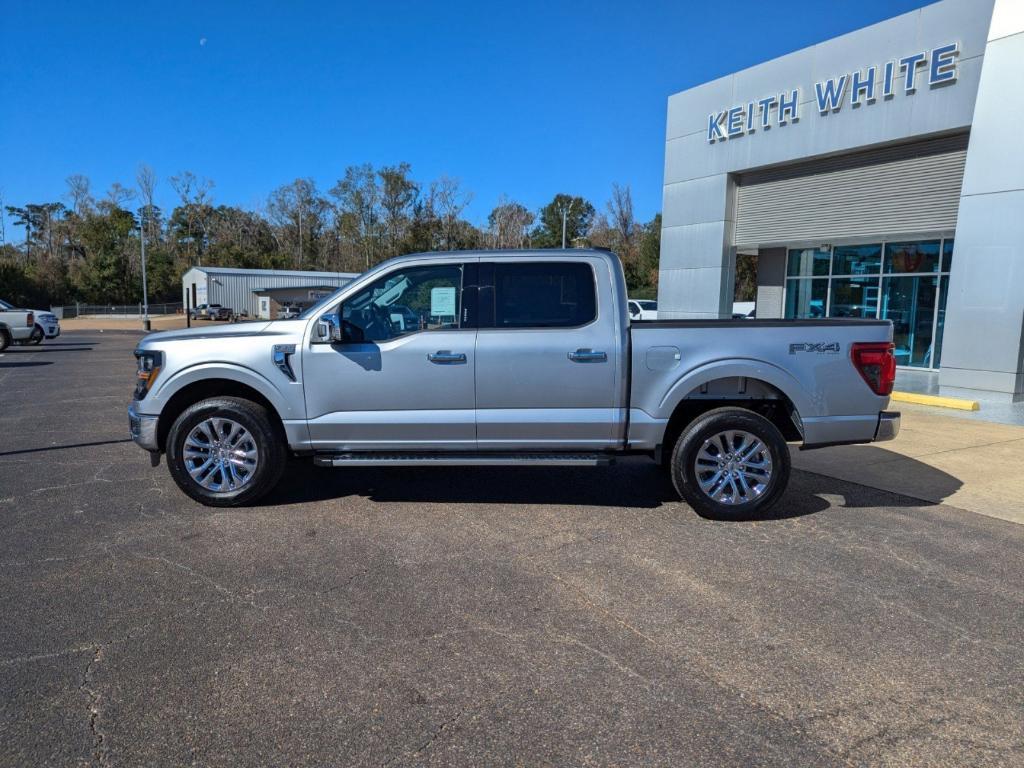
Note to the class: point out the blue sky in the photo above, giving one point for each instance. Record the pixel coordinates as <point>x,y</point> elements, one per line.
<point>524,99</point>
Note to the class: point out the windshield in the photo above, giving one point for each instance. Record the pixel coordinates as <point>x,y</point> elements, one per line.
<point>5,305</point>
<point>648,304</point>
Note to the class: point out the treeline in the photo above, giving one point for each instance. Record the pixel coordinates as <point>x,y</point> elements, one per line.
<point>89,249</point>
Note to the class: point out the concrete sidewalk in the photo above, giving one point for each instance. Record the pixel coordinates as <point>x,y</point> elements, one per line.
<point>973,465</point>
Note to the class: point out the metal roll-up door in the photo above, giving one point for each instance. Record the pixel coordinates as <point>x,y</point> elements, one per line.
<point>897,189</point>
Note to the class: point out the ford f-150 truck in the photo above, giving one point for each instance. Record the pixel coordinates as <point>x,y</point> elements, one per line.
<point>508,357</point>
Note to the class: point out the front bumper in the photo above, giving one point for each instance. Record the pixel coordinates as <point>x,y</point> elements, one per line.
<point>888,426</point>
<point>142,428</point>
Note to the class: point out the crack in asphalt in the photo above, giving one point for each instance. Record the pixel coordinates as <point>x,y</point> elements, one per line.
<point>14,661</point>
<point>98,750</point>
<point>202,577</point>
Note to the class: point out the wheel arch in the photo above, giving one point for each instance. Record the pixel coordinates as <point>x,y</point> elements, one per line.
<point>746,392</point>
<point>203,389</point>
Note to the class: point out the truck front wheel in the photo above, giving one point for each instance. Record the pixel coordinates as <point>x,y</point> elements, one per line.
<point>731,464</point>
<point>225,452</point>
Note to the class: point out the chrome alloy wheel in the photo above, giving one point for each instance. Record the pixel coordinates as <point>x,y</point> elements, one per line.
<point>733,467</point>
<point>220,454</point>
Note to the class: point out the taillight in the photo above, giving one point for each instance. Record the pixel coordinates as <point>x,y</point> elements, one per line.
<point>30,320</point>
<point>876,364</point>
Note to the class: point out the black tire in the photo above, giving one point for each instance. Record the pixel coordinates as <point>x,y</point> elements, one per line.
<point>5,339</point>
<point>691,443</point>
<point>37,335</point>
<point>268,439</point>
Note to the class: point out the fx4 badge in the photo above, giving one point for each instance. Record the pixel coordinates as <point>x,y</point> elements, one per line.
<point>821,347</point>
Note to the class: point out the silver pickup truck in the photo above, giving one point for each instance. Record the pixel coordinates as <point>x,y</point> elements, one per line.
<point>508,358</point>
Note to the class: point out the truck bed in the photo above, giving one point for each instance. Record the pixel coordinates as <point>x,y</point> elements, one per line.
<point>805,363</point>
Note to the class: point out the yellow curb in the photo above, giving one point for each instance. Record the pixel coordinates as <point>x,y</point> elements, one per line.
<point>935,400</point>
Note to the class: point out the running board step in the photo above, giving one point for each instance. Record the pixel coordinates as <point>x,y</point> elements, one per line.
<point>463,459</point>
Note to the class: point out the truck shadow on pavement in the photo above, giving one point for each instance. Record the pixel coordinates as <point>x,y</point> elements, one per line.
<point>630,484</point>
<point>43,348</point>
<point>27,364</point>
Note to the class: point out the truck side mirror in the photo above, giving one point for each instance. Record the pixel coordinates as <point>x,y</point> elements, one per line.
<point>328,328</point>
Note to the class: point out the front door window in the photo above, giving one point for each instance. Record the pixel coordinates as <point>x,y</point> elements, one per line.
<point>427,298</point>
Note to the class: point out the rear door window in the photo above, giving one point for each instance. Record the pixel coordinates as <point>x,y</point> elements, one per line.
<point>543,294</point>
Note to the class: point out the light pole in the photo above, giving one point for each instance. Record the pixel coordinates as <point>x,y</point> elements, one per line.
<point>145,294</point>
<point>566,210</point>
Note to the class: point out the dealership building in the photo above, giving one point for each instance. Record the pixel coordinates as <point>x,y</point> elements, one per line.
<point>878,174</point>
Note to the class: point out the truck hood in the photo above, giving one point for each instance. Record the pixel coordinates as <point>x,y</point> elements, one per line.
<point>234,330</point>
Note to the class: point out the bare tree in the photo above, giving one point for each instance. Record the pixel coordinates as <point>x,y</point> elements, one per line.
<point>299,208</point>
<point>79,194</point>
<point>358,208</point>
<point>508,224</point>
<point>194,193</point>
<point>397,196</point>
<point>620,207</point>
<point>449,202</point>
<point>118,195</point>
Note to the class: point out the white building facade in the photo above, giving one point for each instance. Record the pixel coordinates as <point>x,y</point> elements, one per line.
<point>878,174</point>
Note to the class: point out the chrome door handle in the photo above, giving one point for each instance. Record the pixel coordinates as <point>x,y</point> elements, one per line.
<point>444,356</point>
<point>588,356</point>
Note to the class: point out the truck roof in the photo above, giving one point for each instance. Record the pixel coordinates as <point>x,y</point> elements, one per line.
<point>539,253</point>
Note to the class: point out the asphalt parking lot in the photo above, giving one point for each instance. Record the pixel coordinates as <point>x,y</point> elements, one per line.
<point>477,617</point>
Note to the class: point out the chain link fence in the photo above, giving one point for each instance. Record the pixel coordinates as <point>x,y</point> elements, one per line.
<point>117,310</point>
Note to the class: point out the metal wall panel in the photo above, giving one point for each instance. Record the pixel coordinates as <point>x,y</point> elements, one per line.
<point>238,290</point>
<point>896,189</point>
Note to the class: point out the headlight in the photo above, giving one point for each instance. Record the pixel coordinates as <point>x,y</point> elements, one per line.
<point>150,362</point>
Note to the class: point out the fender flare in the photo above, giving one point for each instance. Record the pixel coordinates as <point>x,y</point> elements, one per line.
<point>749,368</point>
<point>230,372</point>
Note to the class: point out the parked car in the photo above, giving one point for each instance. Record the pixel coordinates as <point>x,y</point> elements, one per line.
<point>522,358</point>
<point>16,325</point>
<point>211,312</point>
<point>643,309</point>
<point>47,325</point>
<point>288,312</point>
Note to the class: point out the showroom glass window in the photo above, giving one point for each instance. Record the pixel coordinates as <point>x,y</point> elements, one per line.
<point>903,281</point>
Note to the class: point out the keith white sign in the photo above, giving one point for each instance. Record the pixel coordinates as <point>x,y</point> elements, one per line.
<point>863,87</point>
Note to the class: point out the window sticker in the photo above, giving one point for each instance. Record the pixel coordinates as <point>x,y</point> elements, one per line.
<point>442,302</point>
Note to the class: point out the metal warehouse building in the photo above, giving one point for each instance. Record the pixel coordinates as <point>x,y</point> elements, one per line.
<point>251,291</point>
<point>879,174</point>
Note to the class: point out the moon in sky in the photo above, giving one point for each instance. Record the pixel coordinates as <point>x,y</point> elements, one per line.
<point>202,41</point>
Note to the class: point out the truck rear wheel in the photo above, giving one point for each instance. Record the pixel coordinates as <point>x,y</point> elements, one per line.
<point>5,339</point>
<point>225,452</point>
<point>731,464</point>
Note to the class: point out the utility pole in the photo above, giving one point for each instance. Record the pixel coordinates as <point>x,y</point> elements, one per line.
<point>145,294</point>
